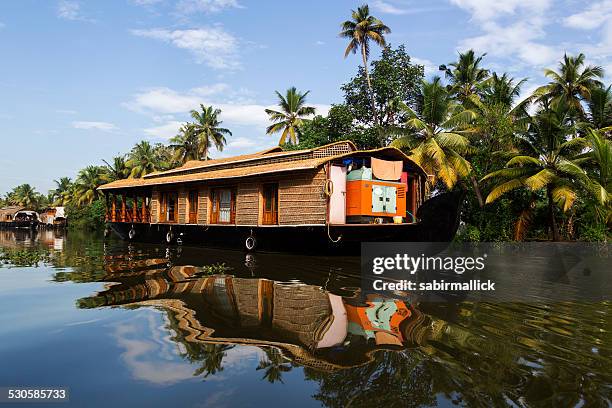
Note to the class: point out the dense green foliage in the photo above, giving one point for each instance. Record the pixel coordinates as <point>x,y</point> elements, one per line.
<point>89,217</point>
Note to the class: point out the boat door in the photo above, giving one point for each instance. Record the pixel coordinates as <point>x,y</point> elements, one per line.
<point>337,201</point>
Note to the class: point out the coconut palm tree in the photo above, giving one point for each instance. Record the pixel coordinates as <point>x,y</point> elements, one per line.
<point>143,160</point>
<point>597,161</point>
<point>501,90</point>
<point>212,359</point>
<point>61,193</point>
<point>290,117</point>
<point>465,75</point>
<point>361,29</point>
<point>87,182</point>
<point>546,163</point>
<point>498,119</point>
<point>600,108</point>
<point>433,136</point>
<point>118,169</point>
<point>274,365</point>
<point>24,195</point>
<point>572,83</point>
<point>207,131</point>
<point>185,144</point>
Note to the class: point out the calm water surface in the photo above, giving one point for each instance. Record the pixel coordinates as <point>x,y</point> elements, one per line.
<point>136,325</point>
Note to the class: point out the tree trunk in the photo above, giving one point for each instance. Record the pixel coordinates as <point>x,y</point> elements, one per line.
<point>551,215</point>
<point>367,73</point>
<point>477,191</point>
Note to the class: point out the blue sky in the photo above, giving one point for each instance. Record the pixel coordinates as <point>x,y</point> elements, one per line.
<point>85,80</point>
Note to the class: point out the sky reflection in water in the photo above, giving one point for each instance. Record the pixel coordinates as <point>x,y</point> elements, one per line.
<point>152,326</point>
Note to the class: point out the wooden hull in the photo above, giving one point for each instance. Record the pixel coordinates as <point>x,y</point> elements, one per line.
<point>20,224</point>
<point>439,222</point>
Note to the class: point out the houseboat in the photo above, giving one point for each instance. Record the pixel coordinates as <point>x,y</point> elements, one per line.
<point>18,217</point>
<point>333,196</point>
<point>53,217</point>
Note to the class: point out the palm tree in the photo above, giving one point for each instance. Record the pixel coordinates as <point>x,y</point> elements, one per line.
<point>87,183</point>
<point>434,139</point>
<point>466,75</point>
<point>291,116</point>
<point>572,83</point>
<point>118,170</point>
<point>274,365</point>
<point>498,119</point>
<point>143,160</point>
<point>185,144</point>
<point>61,194</point>
<point>600,107</point>
<point>212,359</point>
<point>545,163</point>
<point>598,164</point>
<point>502,90</point>
<point>24,195</point>
<point>206,129</point>
<point>361,29</point>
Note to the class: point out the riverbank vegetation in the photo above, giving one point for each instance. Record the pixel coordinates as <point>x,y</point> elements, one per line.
<point>535,166</point>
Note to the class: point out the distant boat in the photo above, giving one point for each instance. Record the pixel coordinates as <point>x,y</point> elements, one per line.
<point>333,196</point>
<point>18,217</point>
<point>53,217</point>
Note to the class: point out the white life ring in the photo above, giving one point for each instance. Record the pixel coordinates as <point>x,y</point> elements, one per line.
<point>250,243</point>
<point>328,189</point>
<point>132,233</point>
<point>169,237</point>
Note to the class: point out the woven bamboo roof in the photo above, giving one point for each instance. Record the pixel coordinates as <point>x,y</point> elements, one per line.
<point>10,210</point>
<point>200,164</point>
<point>252,165</point>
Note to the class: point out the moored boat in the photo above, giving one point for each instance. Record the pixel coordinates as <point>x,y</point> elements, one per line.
<point>334,196</point>
<point>18,217</point>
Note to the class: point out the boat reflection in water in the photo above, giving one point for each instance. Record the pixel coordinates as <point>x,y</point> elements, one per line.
<point>309,325</point>
<point>175,315</point>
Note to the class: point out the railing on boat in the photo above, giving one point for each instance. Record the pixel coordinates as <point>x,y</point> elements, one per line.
<point>137,211</point>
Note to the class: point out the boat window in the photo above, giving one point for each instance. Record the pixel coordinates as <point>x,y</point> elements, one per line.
<point>223,207</point>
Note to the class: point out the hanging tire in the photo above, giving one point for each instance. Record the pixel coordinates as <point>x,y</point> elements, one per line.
<point>132,233</point>
<point>250,243</point>
<point>169,237</point>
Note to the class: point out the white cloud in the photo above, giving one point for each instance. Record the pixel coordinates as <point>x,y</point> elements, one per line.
<point>70,10</point>
<point>430,68</point>
<point>388,8</point>
<point>592,17</point>
<point>518,37</point>
<point>66,111</point>
<point>165,131</point>
<point>163,100</point>
<point>167,107</point>
<point>145,2</point>
<point>319,42</point>
<point>105,126</point>
<point>485,10</point>
<point>241,143</point>
<point>188,7</point>
<point>212,46</point>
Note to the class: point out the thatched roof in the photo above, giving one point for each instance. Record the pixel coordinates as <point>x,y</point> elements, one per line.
<point>267,162</point>
<point>11,210</point>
